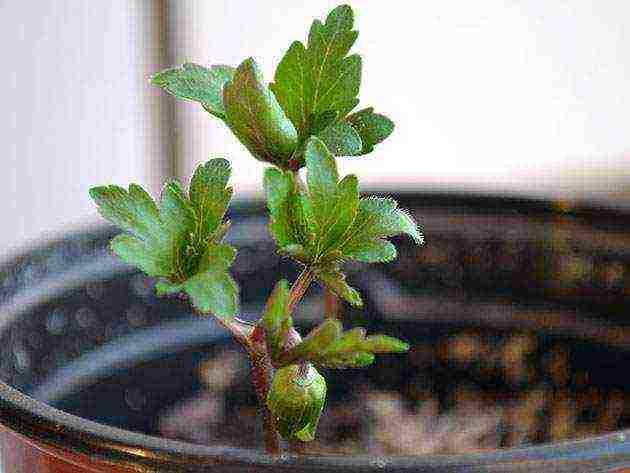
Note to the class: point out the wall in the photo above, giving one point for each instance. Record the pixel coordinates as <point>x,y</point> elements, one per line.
<point>517,96</point>
<point>76,109</point>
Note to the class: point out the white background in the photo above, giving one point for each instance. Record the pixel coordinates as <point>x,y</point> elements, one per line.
<point>498,96</point>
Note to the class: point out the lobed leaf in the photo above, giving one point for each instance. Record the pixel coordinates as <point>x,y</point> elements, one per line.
<point>327,345</point>
<point>372,128</point>
<point>327,224</point>
<point>180,240</point>
<point>313,80</point>
<point>322,178</point>
<point>335,280</point>
<point>330,206</point>
<point>374,251</point>
<point>342,139</point>
<point>210,196</point>
<point>256,117</point>
<point>156,236</point>
<point>378,218</point>
<point>316,341</point>
<point>213,292</point>
<point>197,83</point>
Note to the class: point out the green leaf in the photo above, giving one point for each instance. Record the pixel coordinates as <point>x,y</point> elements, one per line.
<point>326,224</point>
<point>288,225</point>
<point>377,218</point>
<point>297,252</point>
<point>346,202</point>
<point>197,83</point>
<point>335,280</point>
<point>353,348</point>
<point>371,127</point>
<point>276,319</point>
<point>213,292</point>
<point>331,205</point>
<point>322,178</point>
<point>320,78</point>
<point>316,341</point>
<point>342,139</point>
<point>137,253</point>
<point>256,118</point>
<point>210,197</point>
<point>221,231</point>
<point>323,121</point>
<point>156,237</point>
<point>211,288</point>
<point>217,258</point>
<point>375,251</point>
<point>166,288</point>
<point>327,345</point>
<point>179,241</point>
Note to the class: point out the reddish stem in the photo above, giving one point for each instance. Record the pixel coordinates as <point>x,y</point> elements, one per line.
<point>331,304</point>
<point>261,375</point>
<point>299,288</point>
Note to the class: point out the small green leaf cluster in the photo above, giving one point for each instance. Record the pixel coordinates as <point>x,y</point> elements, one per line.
<point>326,223</point>
<point>327,345</point>
<point>298,391</point>
<point>314,91</point>
<point>181,240</point>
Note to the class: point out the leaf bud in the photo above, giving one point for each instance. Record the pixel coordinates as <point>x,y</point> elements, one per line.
<point>296,400</point>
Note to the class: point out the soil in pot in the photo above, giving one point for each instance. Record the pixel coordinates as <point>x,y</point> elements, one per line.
<point>467,389</point>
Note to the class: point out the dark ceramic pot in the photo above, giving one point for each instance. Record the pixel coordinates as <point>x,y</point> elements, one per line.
<point>83,333</point>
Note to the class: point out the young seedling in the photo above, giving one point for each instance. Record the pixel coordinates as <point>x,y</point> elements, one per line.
<point>303,119</point>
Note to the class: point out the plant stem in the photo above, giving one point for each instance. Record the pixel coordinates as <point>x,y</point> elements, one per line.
<point>297,447</point>
<point>262,368</point>
<point>299,287</point>
<point>252,339</point>
<point>261,375</point>
<point>241,330</point>
<point>331,304</point>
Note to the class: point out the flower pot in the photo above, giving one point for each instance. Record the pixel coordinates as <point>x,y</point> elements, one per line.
<point>91,359</point>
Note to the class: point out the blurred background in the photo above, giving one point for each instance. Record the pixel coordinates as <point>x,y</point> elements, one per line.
<point>507,97</point>
<point>526,303</point>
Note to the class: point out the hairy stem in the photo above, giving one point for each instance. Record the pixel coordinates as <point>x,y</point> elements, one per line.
<point>331,304</point>
<point>261,378</point>
<point>262,368</point>
<point>299,288</point>
<point>252,339</point>
<point>241,330</point>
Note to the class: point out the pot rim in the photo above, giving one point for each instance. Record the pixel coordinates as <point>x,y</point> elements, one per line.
<point>56,429</point>
<point>51,428</point>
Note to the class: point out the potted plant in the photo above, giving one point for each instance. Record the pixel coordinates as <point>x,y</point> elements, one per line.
<point>299,125</point>
<point>303,120</point>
